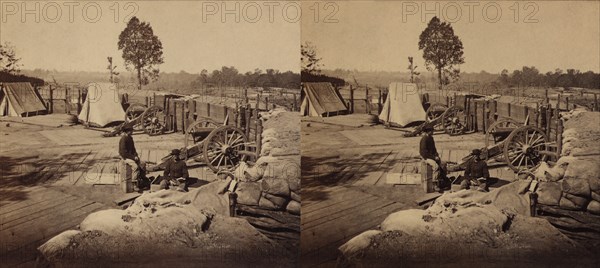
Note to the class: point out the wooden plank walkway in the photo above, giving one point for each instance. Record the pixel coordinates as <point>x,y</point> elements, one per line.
<point>327,224</point>
<point>28,223</point>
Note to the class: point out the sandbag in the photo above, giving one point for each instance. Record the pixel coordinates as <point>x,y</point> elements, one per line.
<point>267,204</point>
<point>295,196</point>
<point>409,221</point>
<point>573,202</point>
<point>576,186</point>
<point>594,184</point>
<point>294,184</point>
<point>595,196</point>
<point>278,201</point>
<point>275,186</point>
<point>549,193</point>
<point>358,243</point>
<point>594,207</point>
<point>583,168</point>
<point>248,193</point>
<point>293,207</point>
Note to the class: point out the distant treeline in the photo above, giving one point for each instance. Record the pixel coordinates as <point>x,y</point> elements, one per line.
<point>231,77</point>
<point>182,82</point>
<point>530,76</point>
<point>7,77</point>
<point>308,77</point>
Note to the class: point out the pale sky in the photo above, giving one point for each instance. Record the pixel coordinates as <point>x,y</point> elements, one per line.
<point>190,41</point>
<point>381,35</point>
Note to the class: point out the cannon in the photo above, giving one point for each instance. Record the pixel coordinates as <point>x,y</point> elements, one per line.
<point>221,147</point>
<point>520,147</point>
<point>440,117</point>
<point>151,120</point>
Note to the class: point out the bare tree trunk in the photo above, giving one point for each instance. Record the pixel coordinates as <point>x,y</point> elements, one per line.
<point>139,71</point>
<point>440,77</point>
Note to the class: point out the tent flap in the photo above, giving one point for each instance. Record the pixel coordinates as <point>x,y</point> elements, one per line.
<point>102,105</point>
<point>403,105</point>
<point>19,99</point>
<point>321,99</point>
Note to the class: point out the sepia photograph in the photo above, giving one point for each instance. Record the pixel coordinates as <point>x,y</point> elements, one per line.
<point>149,134</point>
<point>299,133</point>
<point>450,134</point>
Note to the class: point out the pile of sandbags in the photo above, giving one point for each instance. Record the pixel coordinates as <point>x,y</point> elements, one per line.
<point>273,182</point>
<point>159,226</point>
<point>574,182</point>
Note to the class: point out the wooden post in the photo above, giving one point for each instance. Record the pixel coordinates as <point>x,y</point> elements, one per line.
<point>174,115</point>
<point>537,114</point>
<point>236,116</point>
<point>557,118</point>
<point>367,99</point>
<point>567,103</point>
<point>509,110</point>
<point>379,102</point>
<point>258,136</point>
<point>485,116</point>
<point>267,103</point>
<point>558,103</point>
<point>294,105</point>
<point>559,130</point>
<point>596,108</point>
<point>546,99</point>
<point>475,125</point>
<point>67,102</point>
<point>183,116</point>
<point>351,99</point>
<point>78,101</point>
<point>247,120</point>
<point>527,115</point>
<point>51,104</point>
<point>548,119</point>
<point>245,95</point>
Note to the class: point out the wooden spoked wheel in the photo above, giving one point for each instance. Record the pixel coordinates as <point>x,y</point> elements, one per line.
<point>434,112</point>
<point>221,148</point>
<point>199,130</point>
<point>523,148</point>
<point>153,121</point>
<point>134,111</point>
<point>454,121</point>
<point>494,133</point>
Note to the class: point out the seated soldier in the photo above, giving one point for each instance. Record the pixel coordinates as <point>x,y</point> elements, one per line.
<point>476,173</point>
<point>176,173</point>
<point>128,153</point>
<point>429,153</point>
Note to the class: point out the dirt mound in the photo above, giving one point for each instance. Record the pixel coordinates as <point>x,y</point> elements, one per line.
<point>165,227</point>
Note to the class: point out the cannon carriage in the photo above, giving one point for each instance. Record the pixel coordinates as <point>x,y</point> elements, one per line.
<point>220,147</point>
<point>441,118</point>
<point>519,146</point>
<point>151,120</point>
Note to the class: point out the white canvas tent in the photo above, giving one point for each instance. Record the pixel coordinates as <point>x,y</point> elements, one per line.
<point>403,105</point>
<point>102,105</point>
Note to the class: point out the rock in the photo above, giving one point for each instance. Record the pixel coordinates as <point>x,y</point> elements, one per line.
<point>573,202</point>
<point>278,201</point>
<point>295,196</point>
<point>275,186</point>
<point>576,186</point>
<point>248,193</point>
<point>549,193</point>
<point>594,207</point>
<point>595,196</point>
<point>293,207</point>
